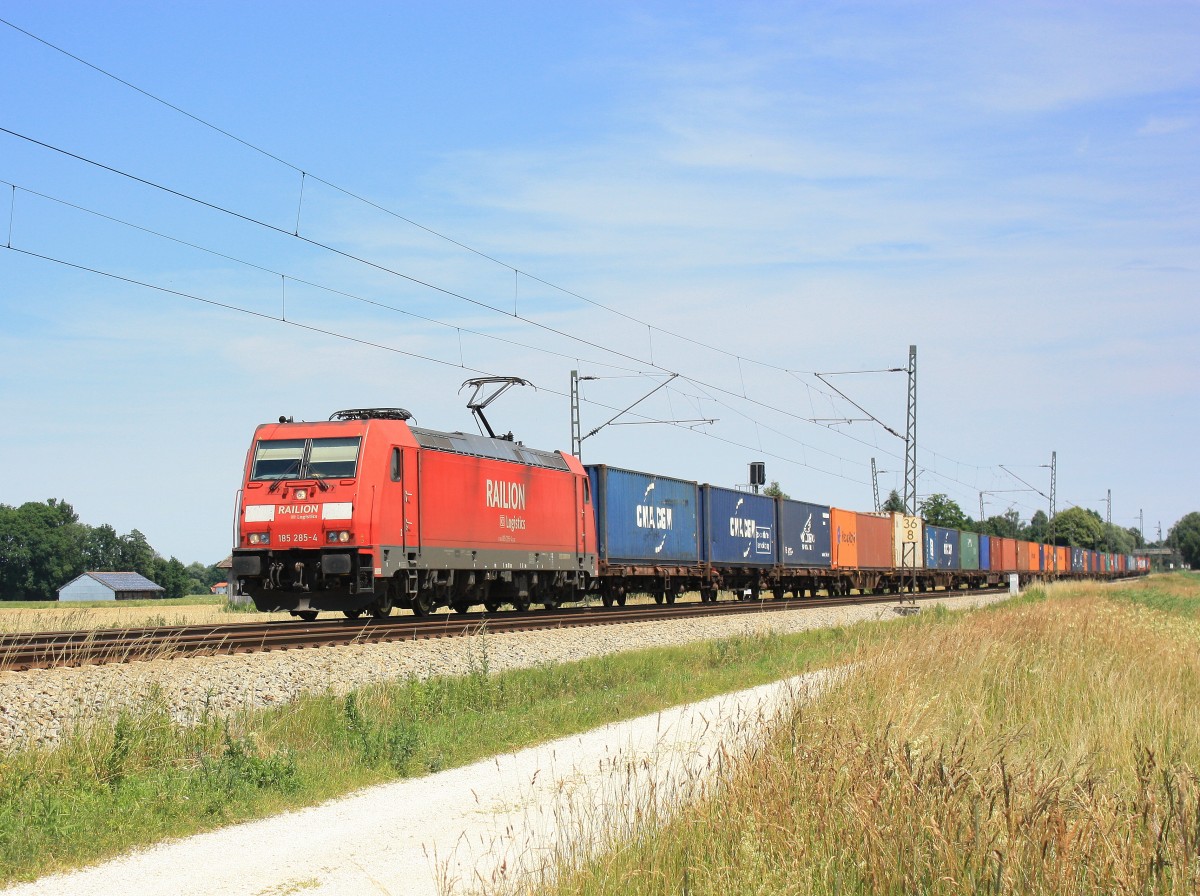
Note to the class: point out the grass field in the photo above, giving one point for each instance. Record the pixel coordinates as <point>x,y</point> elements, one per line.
<point>41,616</point>
<point>139,778</point>
<point>1046,746</point>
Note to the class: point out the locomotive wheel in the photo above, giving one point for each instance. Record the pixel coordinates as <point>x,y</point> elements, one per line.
<point>307,615</point>
<point>491,605</point>
<point>352,614</point>
<point>421,605</point>
<point>382,607</point>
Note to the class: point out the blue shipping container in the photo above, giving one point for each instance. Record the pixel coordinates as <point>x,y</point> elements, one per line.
<point>739,528</point>
<point>1076,559</point>
<point>643,518</point>
<point>985,552</point>
<point>803,534</point>
<point>941,548</point>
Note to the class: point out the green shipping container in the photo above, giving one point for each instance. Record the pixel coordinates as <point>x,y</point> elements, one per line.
<point>969,551</point>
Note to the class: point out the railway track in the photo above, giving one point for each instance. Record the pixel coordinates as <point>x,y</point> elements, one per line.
<point>43,650</point>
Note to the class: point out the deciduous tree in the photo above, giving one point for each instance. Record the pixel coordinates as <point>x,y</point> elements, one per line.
<point>938,510</point>
<point>1185,538</point>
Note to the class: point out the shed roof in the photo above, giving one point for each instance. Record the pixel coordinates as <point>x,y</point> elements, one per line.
<point>124,581</point>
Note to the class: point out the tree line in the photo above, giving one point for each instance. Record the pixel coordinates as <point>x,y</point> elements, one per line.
<point>43,546</point>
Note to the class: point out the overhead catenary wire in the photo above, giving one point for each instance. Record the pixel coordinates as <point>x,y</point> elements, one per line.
<point>284,277</point>
<point>384,268</point>
<point>518,272</point>
<point>301,280</point>
<point>389,348</point>
<point>305,174</point>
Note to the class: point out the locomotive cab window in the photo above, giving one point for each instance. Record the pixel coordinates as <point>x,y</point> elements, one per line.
<point>333,459</point>
<point>277,458</point>
<point>305,459</point>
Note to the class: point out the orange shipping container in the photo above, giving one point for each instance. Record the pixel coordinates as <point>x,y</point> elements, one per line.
<point>874,541</point>
<point>1004,554</point>
<point>843,535</point>
<point>1033,560</point>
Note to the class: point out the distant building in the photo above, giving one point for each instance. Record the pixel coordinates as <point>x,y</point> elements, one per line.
<point>220,588</point>
<point>110,586</point>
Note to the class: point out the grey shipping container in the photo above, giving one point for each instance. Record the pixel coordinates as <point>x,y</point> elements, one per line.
<point>803,534</point>
<point>645,519</point>
<point>739,528</point>
<point>941,548</point>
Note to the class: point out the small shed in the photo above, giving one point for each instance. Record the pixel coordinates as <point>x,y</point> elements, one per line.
<point>110,586</point>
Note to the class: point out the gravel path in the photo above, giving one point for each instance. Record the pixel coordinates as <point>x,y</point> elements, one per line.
<point>498,822</point>
<point>36,707</point>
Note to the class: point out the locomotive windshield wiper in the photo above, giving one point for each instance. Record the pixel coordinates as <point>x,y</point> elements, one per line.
<point>284,475</point>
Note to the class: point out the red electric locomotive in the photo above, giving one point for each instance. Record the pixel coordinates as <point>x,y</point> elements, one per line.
<point>366,512</point>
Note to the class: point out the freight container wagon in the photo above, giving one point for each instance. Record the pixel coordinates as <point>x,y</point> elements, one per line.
<point>985,552</point>
<point>645,519</point>
<point>968,550</point>
<point>843,537</point>
<point>941,548</point>
<point>874,541</point>
<point>804,540</point>
<point>739,527</point>
<point>1033,559</point>
<point>1077,562</point>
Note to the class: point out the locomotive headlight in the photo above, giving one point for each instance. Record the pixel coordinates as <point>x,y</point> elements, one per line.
<point>343,537</point>
<point>335,537</point>
<point>301,494</point>
<point>260,538</point>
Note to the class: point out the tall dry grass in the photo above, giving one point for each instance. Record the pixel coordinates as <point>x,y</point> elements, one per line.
<point>1046,747</point>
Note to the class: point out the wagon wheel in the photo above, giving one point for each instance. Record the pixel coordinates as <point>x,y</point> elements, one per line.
<point>382,606</point>
<point>352,614</point>
<point>550,603</point>
<point>658,597</point>
<point>621,600</point>
<point>461,606</point>
<point>607,598</point>
<point>491,605</point>
<point>671,595</point>
<point>307,615</point>
<point>522,603</point>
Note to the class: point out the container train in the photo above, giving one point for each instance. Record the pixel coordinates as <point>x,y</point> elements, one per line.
<point>367,512</point>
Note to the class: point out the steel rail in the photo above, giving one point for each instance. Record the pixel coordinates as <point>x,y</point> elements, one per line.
<point>43,650</point>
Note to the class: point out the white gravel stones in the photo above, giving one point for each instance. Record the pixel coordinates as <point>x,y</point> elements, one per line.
<point>36,707</point>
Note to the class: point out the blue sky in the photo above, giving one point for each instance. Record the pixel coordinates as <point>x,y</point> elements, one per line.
<point>748,193</point>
